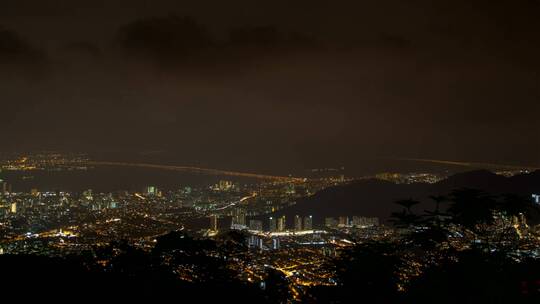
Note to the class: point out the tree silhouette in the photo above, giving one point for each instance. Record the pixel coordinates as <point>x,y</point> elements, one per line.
<point>406,218</point>
<point>471,209</point>
<point>429,237</point>
<point>437,215</point>
<point>366,271</point>
<point>516,205</point>
<point>407,204</point>
<point>233,242</point>
<point>276,286</point>
<point>475,276</point>
<point>438,199</point>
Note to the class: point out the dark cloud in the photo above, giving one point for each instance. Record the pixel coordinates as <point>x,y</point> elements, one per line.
<point>21,66</point>
<point>165,38</point>
<point>281,82</point>
<point>84,48</point>
<point>16,50</point>
<point>270,38</point>
<point>182,41</point>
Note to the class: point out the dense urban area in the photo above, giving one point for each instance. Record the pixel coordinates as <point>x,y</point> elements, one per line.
<point>65,224</point>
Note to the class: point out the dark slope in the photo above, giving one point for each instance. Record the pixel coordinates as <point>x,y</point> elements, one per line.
<point>479,179</point>
<point>70,280</point>
<point>377,198</point>
<point>367,198</point>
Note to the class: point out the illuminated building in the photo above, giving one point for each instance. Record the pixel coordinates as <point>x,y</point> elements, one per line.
<point>151,190</point>
<point>255,242</point>
<point>343,221</point>
<point>329,251</point>
<point>360,221</point>
<point>297,223</point>
<point>272,224</point>
<point>281,224</point>
<point>88,195</point>
<point>255,225</point>
<point>252,241</point>
<point>308,222</point>
<point>225,185</point>
<point>239,218</point>
<point>330,222</point>
<point>5,187</point>
<point>536,198</point>
<point>289,189</point>
<point>213,223</point>
<point>13,208</point>
<point>275,243</point>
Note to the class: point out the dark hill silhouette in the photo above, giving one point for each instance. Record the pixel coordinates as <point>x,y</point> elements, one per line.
<point>478,179</point>
<point>72,279</point>
<point>376,197</point>
<point>526,183</point>
<point>367,198</point>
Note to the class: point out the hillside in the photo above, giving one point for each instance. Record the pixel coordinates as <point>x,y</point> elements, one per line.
<point>376,197</point>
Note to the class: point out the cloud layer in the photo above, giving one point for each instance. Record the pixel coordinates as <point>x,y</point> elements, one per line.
<point>308,82</point>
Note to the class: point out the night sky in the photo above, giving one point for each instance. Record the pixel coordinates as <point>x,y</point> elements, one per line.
<point>271,84</point>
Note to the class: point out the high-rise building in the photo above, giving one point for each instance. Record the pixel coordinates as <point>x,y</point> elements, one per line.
<point>536,198</point>
<point>213,223</point>
<point>151,190</point>
<point>329,251</point>
<point>255,242</point>
<point>330,222</point>
<point>88,195</point>
<point>297,223</point>
<point>239,218</point>
<point>360,221</point>
<point>255,225</point>
<point>275,243</point>
<point>3,187</point>
<point>13,208</point>
<point>308,223</point>
<point>225,185</point>
<point>272,224</point>
<point>281,224</point>
<point>343,221</point>
<point>289,189</point>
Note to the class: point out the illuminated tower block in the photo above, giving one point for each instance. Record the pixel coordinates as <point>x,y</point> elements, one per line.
<point>297,223</point>
<point>281,224</point>
<point>272,224</point>
<point>308,222</point>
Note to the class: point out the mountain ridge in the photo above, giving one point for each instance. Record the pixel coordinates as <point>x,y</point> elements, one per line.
<point>376,198</point>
